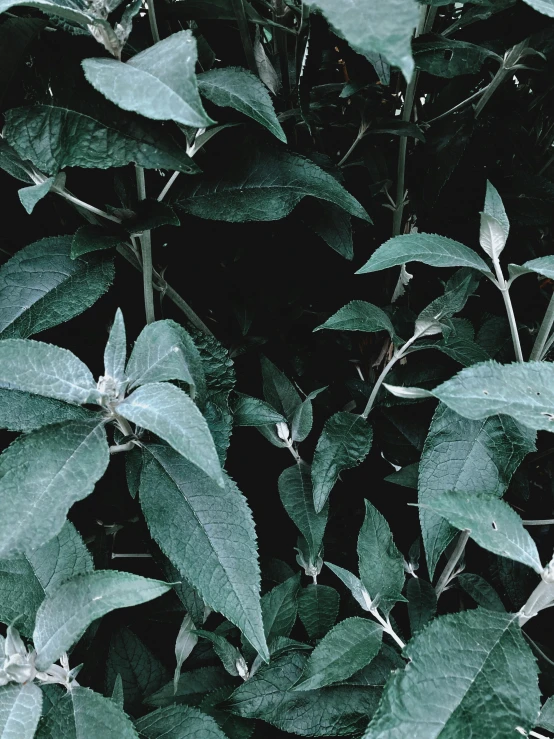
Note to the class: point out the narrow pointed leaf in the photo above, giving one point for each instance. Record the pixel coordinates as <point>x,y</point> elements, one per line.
<point>115,353</point>
<point>494,207</point>
<point>175,722</point>
<point>354,584</point>
<point>249,411</point>
<point>359,316</point>
<point>422,603</point>
<point>184,644</point>
<point>318,608</point>
<point>192,685</point>
<point>279,390</point>
<point>480,590</point>
<point>296,492</point>
<point>280,607</point>
<point>227,653</point>
<point>492,236</point>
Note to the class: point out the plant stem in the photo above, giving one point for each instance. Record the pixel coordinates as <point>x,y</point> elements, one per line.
<point>242,20</point>
<point>504,289</point>
<point>539,522</point>
<point>167,187</point>
<point>541,597</point>
<point>146,249</point>
<point>387,627</point>
<point>544,332</point>
<point>153,21</point>
<point>446,576</point>
<point>357,140</point>
<point>86,206</point>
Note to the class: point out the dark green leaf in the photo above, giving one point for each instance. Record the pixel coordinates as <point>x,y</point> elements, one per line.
<point>191,687</point>
<point>92,238</point>
<point>422,603</point>
<point>279,390</point>
<point>16,38</point>
<point>318,607</point>
<point>296,492</point>
<point>359,316</point>
<point>229,655</point>
<point>446,57</point>
<point>279,608</point>
<point>481,592</point>
<point>176,722</point>
<point>331,223</point>
<point>249,411</point>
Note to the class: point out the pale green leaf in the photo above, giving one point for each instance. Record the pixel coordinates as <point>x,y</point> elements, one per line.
<point>296,492</point>
<point>464,679</point>
<point>436,251</point>
<point>422,603</point>
<point>546,718</point>
<point>494,207</point>
<point>348,647</point>
<point>41,286</point>
<point>237,88</point>
<point>158,83</point>
<point>354,584</point>
<point>67,9</point>
<point>543,6</point>
<point>169,413</point>
<point>41,475</point>
<point>178,722</point>
<point>359,316</point>
<point>115,353</point>
<point>542,266</point>
<point>66,613</point>
<point>480,590</point>
<point>318,607</point>
<point>227,653</point>
<point>249,411</point>
<point>20,709</point>
<point>30,196</point>
<point>208,535</point>
<point>184,644</point>
<point>279,390</point>
<point>492,236</point>
<point>344,442</point>
<point>21,411</point>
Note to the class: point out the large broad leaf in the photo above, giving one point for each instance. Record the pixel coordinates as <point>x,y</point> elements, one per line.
<point>190,687</point>
<point>441,692</point>
<point>445,57</point>
<point>43,369</point>
<point>465,456</point>
<point>386,27</point>
<point>20,709</point>
<point>543,6</point>
<point>26,412</point>
<point>66,613</point>
<point>381,564</point>
<point>173,416</point>
<point>25,580</point>
<point>436,251</point>
<point>174,722</point>
<point>158,83</point>
<point>318,607</point>
<point>54,137</point>
<point>359,316</point>
<point>523,390</point>
<point>237,88</point>
<point>208,535</point>
<point>491,523</point>
<point>259,183</point>
<point>333,711</point>
<point>41,475</point>
<point>344,442</point>
<point>82,714</point>
<point>348,647</point>
<point>67,9</point>
<point>41,286</point>
<point>11,162</point>
<point>296,491</point>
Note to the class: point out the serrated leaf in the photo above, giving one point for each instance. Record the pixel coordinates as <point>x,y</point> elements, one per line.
<point>387,28</point>
<point>422,603</point>
<point>279,390</point>
<point>21,411</point>
<point>175,722</point>
<point>492,236</point>
<point>358,315</point>
<point>381,564</point>
<point>20,709</point>
<point>30,196</point>
<point>344,442</point>
<point>227,653</point>
<point>115,353</point>
<point>465,456</point>
<point>81,714</point>
<point>296,492</point>
<point>169,413</point>
<point>249,411</point>
<point>379,669</point>
<point>41,475</point>
<point>458,289</point>
<point>71,11</point>
<point>318,607</point>
<point>237,88</point>
<point>192,686</point>
<point>486,656</point>
<point>184,644</point>
<point>494,207</point>
<point>88,239</point>
<point>348,647</point>
<point>481,592</point>
<point>259,183</point>
<point>436,251</point>
<point>354,584</point>
<point>208,535</point>
<point>41,286</point>
<point>446,57</point>
<point>65,614</point>
<point>158,83</point>
<point>279,608</point>
<point>542,266</point>
<point>492,523</point>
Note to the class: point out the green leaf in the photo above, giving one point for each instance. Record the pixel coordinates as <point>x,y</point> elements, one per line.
<point>494,207</point>
<point>422,603</point>
<point>62,8</point>
<point>175,722</point>
<point>318,607</point>
<point>89,239</point>
<point>30,196</point>
<point>237,88</point>
<point>333,711</point>
<point>280,608</point>
<point>66,613</point>
<point>184,645</point>
<point>279,390</point>
<point>407,476</point>
<point>20,709</point>
<point>546,718</point>
<point>379,669</point>
<point>469,457</point>
<point>491,523</point>
<point>232,727</point>
<point>387,28</point>
<point>331,223</point>
<point>259,183</point>
<point>82,714</point>
<point>355,585</point>
<point>344,442</point>
<point>169,413</point>
<point>446,57</point>
<point>228,654</point>
<point>359,316</point>
<point>41,475</point>
<point>303,418</point>
<point>192,685</point>
<point>348,647</point>
<point>296,492</point>
<point>115,353</point>
<point>481,592</point>
<point>158,83</point>
<point>26,412</point>
<point>434,318</point>
<point>25,581</point>
<point>523,390</point>
<point>436,251</point>
<point>10,161</point>
<point>543,6</point>
<point>42,286</point>
<point>485,658</point>
<point>542,266</point>
<point>381,564</point>
<point>249,411</point>
<point>208,535</point>
<point>53,137</point>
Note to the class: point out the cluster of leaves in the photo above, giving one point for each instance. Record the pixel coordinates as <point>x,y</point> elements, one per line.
<point>284,125</point>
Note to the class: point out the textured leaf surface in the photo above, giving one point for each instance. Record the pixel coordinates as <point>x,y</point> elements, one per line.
<point>191,686</point>
<point>279,608</point>
<point>296,492</point>
<point>318,607</point>
<point>115,353</point>
<point>249,411</point>
<point>41,475</point>
<point>543,6</point>
<point>443,692</point>
<point>465,456</point>
<point>359,316</point>
<point>173,416</point>
<point>41,286</point>
<point>261,184</point>
<point>158,83</point>
<point>26,412</point>
<point>208,535</point>
<point>422,603</point>
<point>436,251</point>
<point>20,709</point>
<point>448,57</point>
<point>348,647</point>
<point>344,442</point>
<point>480,590</point>
<point>237,88</point>
<point>228,654</point>
<point>542,266</point>
<point>177,722</point>
<point>546,718</point>
<point>66,613</point>
<point>30,196</point>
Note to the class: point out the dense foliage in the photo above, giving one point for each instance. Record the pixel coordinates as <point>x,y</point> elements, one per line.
<point>254,486</point>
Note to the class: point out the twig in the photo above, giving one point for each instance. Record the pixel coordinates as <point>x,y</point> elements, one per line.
<point>504,289</point>
<point>242,20</point>
<point>544,332</point>
<point>167,186</point>
<point>446,576</point>
<point>539,522</point>
<point>153,22</point>
<point>146,249</point>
